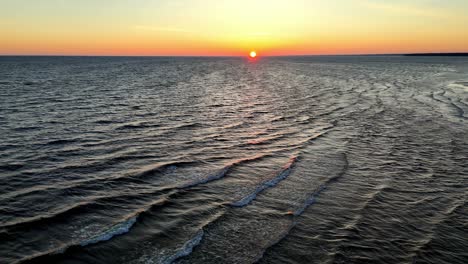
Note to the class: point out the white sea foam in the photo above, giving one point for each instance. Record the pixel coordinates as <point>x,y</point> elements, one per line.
<point>118,229</point>
<point>186,249</point>
<point>267,184</point>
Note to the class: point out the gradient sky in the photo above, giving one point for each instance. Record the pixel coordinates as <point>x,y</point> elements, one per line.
<point>231,27</point>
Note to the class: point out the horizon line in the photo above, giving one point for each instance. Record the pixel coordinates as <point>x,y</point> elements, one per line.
<point>237,56</point>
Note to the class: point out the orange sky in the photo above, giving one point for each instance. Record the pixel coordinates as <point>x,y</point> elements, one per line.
<point>231,27</point>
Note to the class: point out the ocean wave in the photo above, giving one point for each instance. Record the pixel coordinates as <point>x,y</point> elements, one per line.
<point>118,229</point>
<point>315,136</point>
<point>312,198</point>
<point>215,176</point>
<point>303,119</point>
<point>222,172</point>
<point>125,226</point>
<point>28,83</point>
<point>159,168</point>
<point>93,183</point>
<point>11,167</point>
<point>115,230</point>
<point>286,170</point>
<point>463,84</point>
<point>459,110</point>
<point>133,179</point>
<point>139,125</point>
<point>278,118</point>
<point>27,128</point>
<point>263,140</point>
<point>233,125</point>
<point>321,188</point>
<point>163,257</point>
<point>186,249</point>
<point>61,141</point>
<point>104,121</point>
<point>283,235</point>
<point>101,203</point>
<point>36,220</point>
<point>189,125</point>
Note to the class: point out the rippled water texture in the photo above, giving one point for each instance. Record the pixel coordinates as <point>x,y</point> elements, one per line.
<point>224,160</point>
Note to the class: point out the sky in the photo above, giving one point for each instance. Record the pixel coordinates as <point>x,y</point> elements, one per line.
<point>231,27</point>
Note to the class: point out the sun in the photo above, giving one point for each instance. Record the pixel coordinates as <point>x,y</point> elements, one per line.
<point>253,54</point>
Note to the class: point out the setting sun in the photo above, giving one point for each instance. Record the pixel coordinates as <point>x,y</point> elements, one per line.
<point>253,54</point>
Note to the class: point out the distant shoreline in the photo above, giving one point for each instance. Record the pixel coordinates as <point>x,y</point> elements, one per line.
<point>438,54</point>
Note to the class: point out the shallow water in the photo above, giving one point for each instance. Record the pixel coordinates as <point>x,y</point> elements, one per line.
<point>224,160</point>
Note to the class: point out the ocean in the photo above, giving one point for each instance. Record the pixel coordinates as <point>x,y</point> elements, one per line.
<point>314,159</point>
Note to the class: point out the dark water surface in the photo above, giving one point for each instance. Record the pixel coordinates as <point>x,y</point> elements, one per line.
<point>224,160</point>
